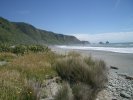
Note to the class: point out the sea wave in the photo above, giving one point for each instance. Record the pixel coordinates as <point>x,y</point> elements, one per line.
<point>111,49</point>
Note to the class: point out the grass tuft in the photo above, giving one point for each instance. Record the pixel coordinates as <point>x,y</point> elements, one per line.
<point>76,69</point>
<point>83,92</point>
<point>85,75</point>
<point>64,93</point>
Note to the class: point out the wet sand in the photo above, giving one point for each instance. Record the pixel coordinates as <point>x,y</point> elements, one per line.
<point>123,61</point>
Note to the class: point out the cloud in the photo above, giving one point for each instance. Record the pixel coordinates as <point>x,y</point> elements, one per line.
<point>112,37</point>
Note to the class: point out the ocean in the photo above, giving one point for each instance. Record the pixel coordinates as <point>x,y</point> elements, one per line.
<point>112,47</point>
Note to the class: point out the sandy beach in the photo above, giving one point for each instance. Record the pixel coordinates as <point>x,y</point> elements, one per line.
<point>124,61</point>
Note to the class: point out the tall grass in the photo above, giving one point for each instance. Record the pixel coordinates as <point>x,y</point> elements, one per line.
<point>64,93</point>
<point>78,70</point>
<point>34,66</point>
<point>7,56</point>
<point>83,92</point>
<point>86,76</point>
<point>22,77</point>
<point>13,87</point>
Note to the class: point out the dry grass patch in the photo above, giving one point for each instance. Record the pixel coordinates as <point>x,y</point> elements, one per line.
<point>21,78</point>
<point>14,86</point>
<point>7,56</point>
<point>34,65</point>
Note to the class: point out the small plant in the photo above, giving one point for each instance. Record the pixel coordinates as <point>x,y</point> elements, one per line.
<point>28,93</point>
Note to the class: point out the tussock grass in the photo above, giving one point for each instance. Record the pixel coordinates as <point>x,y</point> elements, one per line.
<point>77,69</point>
<point>83,92</point>
<point>22,77</point>
<point>86,75</point>
<point>13,86</point>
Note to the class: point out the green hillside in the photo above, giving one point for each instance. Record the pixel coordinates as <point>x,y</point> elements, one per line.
<point>20,32</point>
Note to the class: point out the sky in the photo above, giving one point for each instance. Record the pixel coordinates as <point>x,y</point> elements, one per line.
<point>91,20</point>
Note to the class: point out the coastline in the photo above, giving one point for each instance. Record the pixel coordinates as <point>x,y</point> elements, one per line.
<point>118,87</point>
<point>123,61</point>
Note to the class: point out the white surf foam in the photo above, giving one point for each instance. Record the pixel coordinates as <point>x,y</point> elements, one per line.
<point>111,49</point>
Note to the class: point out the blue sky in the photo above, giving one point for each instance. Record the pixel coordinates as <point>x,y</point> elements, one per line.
<point>93,20</point>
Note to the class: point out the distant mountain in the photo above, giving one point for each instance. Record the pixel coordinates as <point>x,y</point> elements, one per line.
<point>20,32</point>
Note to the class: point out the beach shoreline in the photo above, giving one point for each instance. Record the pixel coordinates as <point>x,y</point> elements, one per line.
<point>119,85</point>
<point>123,61</point>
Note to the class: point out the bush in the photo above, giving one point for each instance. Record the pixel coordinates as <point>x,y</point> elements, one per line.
<point>19,49</point>
<point>5,48</point>
<point>85,75</point>
<point>77,70</point>
<point>22,49</point>
<point>36,48</point>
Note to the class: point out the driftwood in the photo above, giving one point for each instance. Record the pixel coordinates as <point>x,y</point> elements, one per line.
<point>113,67</point>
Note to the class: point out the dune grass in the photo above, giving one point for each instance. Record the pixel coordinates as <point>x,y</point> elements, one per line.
<point>13,86</point>
<point>34,66</point>
<point>83,92</point>
<point>85,75</point>
<point>79,69</point>
<point>21,78</point>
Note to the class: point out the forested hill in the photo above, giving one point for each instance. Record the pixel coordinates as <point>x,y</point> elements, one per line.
<point>20,32</point>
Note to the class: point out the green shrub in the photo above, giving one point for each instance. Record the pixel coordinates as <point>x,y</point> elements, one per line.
<point>37,48</point>
<point>22,49</point>
<point>85,75</point>
<point>5,48</point>
<point>19,49</point>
